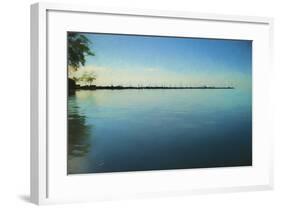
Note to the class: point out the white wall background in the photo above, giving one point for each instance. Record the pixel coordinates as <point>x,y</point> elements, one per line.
<point>14,102</point>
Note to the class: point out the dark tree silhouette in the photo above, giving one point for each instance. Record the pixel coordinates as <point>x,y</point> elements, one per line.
<point>78,48</point>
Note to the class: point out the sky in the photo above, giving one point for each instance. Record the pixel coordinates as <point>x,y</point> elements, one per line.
<point>171,61</point>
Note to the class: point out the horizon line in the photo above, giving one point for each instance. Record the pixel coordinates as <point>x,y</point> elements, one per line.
<point>150,87</point>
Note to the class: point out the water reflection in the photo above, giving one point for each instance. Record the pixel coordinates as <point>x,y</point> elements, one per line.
<point>79,134</point>
<point>132,130</point>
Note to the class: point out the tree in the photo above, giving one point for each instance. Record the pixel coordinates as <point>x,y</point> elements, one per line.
<point>78,48</point>
<point>86,78</point>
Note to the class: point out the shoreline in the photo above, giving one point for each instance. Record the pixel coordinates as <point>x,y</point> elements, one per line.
<point>142,88</point>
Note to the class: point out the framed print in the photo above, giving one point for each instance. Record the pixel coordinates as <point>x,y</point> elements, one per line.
<point>133,103</point>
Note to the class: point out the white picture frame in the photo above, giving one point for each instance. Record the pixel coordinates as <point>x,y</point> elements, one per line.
<point>49,181</point>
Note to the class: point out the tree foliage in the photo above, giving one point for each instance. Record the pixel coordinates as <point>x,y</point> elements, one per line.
<point>78,48</point>
<point>86,78</point>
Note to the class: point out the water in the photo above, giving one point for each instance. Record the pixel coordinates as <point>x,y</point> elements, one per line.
<point>134,130</point>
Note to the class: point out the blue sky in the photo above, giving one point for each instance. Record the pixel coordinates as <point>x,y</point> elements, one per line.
<point>151,60</point>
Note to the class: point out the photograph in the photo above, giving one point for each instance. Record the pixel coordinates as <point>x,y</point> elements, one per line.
<point>153,103</point>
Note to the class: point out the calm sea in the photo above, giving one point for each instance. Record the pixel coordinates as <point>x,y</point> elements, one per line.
<point>136,130</point>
